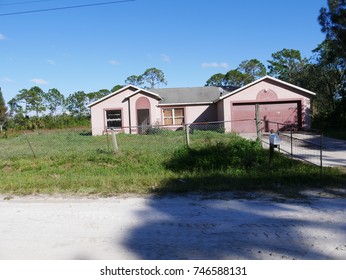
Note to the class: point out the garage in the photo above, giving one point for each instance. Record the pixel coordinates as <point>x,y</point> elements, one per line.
<point>271,113</point>
<point>280,105</point>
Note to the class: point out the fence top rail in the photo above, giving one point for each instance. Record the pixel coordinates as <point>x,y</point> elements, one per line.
<point>310,142</point>
<point>293,125</point>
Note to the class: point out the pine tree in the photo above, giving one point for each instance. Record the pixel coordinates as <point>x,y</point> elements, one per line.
<point>3,111</point>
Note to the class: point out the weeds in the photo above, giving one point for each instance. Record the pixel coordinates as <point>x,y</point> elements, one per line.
<point>153,163</point>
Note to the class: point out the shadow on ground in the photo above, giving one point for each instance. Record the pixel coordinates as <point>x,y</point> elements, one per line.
<point>222,226</point>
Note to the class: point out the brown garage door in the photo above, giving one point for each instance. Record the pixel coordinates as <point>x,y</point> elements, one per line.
<point>244,114</point>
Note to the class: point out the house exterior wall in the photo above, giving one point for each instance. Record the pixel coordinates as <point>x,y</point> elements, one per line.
<point>267,92</point>
<point>276,98</point>
<point>121,102</point>
<point>192,114</point>
<point>154,112</point>
<point>201,113</point>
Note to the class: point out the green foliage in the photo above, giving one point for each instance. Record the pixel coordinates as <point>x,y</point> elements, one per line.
<point>20,122</point>
<point>286,65</point>
<point>3,112</point>
<point>72,162</point>
<point>76,104</point>
<point>333,23</point>
<point>54,101</point>
<point>247,72</point>
<point>151,78</point>
<point>93,96</point>
<point>252,69</point>
<point>134,80</point>
<point>116,87</point>
<point>235,78</point>
<point>216,80</point>
<point>235,154</point>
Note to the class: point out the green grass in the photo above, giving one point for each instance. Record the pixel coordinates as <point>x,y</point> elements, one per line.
<point>70,162</point>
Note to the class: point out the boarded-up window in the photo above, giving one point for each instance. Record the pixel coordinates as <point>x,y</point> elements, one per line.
<point>113,119</point>
<point>174,116</point>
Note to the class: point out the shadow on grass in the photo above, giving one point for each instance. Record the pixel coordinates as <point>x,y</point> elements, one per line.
<point>243,165</point>
<point>228,225</point>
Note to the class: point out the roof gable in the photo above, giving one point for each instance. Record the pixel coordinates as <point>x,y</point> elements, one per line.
<point>270,79</point>
<point>135,89</point>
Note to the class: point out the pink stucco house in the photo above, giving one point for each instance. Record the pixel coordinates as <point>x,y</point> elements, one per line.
<point>131,108</point>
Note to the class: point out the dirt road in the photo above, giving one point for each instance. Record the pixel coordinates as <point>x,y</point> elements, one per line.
<point>218,226</point>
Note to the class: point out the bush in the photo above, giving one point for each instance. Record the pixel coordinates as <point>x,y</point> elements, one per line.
<point>237,153</point>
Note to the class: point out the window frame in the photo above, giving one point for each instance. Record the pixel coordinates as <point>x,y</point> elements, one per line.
<point>173,116</point>
<point>106,120</point>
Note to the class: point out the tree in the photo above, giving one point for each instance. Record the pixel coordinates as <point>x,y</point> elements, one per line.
<point>32,99</point>
<point>252,69</point>
<point>333,23</point>
<point>286,65</point>
<point>326,78</point>
<point>116,87</point>
<point>53,99</point>
<point>15,107</point>
<point>134,80</point>
<point>3,111</point>
<point>93,96</point>
<point>235,78</point>
<point>247,72</point>
<point>153,77</point>
<point>216,80</point>
<point>76,104</point>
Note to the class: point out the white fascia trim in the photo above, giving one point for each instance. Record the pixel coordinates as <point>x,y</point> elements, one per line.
<point>112,94</point>
<point>147,91</point>
<point>264,78</point>
<point>184,104</point>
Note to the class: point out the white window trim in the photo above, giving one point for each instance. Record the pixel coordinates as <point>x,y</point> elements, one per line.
<point>117,119</point>
<point>173,115</point>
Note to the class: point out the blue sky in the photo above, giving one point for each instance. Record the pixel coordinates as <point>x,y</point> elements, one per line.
<point>97,47</point>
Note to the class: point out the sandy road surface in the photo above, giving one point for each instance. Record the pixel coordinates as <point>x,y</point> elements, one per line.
<point>219,226</point>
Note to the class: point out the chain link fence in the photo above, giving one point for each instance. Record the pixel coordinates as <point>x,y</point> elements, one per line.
<point>46,143</point>
<point>305,145</point>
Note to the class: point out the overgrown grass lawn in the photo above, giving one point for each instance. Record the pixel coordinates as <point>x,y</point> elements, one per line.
<point>75,163</point>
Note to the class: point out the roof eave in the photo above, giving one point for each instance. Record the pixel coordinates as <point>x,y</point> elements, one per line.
<point>144,90</point>
<point>262,79</point>
<point>185,104</point>
<point>110,95</point>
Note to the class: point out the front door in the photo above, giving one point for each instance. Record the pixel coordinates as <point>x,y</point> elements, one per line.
<point>143,120</point>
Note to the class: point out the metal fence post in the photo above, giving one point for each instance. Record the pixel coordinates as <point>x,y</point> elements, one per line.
<point>115,143</point>
<point>321,157</point>
<point>187,135</point>
<point>258,123</point>
<point>291,143</point>
<point>32,150</point>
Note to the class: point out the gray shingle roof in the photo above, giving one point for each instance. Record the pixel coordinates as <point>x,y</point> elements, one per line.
<point>191,94</point>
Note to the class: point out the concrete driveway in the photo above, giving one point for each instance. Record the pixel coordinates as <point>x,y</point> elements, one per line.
<point>306,147</point>
<point>215,226</point>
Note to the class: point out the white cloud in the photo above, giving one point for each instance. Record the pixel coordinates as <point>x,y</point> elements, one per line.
<point>2,37</point>
<point>215,65</point>
<point>39,81</point>
<point>51,62</point>
<point>114,62</point>
<point>165,58</point>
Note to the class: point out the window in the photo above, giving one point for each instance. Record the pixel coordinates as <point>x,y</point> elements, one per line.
<point>113,119</point>
<point>174,116</point>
